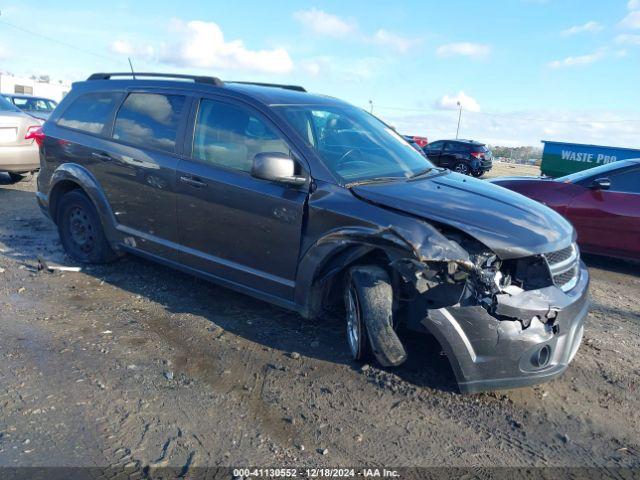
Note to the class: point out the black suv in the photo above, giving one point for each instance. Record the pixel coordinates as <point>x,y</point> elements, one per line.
<point>463,156</point>
<point>307,202</point>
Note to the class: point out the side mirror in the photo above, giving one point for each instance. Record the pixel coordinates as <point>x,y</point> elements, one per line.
<point>601,184</point>
<point>276,167</point>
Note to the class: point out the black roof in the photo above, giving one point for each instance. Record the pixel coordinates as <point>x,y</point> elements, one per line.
<point>461,140</point>
<point>267,93</point>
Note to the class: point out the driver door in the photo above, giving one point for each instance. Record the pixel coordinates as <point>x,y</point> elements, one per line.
<point>231,225</point>
<point>608,221</point>
<point>433,152</point>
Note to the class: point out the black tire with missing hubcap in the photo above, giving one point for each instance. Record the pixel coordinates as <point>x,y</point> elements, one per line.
<point>81,231</point>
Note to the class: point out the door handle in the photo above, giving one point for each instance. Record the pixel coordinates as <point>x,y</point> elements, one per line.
<point>193,181</point>
<point>103,157</point>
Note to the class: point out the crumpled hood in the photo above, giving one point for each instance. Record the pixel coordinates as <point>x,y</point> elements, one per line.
<point>508,223</point>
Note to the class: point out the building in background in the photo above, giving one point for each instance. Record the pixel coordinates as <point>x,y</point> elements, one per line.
<point>39,86</point>
<point>560,158</point>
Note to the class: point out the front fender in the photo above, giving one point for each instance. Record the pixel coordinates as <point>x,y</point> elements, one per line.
<point>342,246</point>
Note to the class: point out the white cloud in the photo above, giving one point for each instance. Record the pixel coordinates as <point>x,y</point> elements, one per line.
<point>631,21</point>
<point>578,61</point>
<point>393,40</point>
<point>633,5</point>
<point>523,128</point>
<point>324,23</point>
<point>124,47</point>
<point>330,25</point>
<point>589,27</point>
<point>199,44</point>
<point>628,39</point>
<point>202,45</point>
<point>467,49</point>
<point>451,103</point>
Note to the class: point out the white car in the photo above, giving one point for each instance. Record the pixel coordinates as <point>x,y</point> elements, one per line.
<point>19,137</point>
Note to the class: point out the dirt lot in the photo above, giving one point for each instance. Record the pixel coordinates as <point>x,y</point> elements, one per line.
<point>133,365</point>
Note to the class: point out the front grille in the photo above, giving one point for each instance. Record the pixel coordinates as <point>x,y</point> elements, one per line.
<point>560,255</point>
<point>564,266</point>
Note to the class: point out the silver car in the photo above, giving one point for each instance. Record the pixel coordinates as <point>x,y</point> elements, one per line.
<point>19,135</point>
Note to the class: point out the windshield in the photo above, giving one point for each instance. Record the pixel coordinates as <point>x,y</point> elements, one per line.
<point>590,172</point>
<point>355,145</point>
<point>7,106</point>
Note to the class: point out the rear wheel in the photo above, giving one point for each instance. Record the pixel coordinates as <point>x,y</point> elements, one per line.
<point>17,177</point>
<point>81,231</point>
<point>477,173</point>
<point>462,168</point>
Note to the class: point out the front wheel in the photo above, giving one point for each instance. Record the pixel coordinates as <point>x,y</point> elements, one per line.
<point>477,173</point>
<point>81,231</point>
<point>369,315</point>
<point>462,168</point>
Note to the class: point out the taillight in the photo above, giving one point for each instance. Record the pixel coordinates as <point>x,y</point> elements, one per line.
<point>35,132</point>
<point>478,155</point>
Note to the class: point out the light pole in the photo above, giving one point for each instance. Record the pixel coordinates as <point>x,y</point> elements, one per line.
<point>371,106</point>
<point>459,117</point>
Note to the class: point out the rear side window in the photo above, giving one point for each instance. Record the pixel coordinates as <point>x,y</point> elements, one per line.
<point>90,112</point>
<point>150,120</point>
<point>230,136</point>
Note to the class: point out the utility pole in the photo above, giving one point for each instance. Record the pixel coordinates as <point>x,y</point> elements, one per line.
<point>459,117</point>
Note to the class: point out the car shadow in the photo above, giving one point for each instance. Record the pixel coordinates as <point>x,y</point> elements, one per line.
<point>27,234</point>
<point>266,324</point>
<point>615,265</point>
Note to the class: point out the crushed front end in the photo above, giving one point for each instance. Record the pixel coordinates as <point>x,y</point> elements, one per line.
<point>502,324</point>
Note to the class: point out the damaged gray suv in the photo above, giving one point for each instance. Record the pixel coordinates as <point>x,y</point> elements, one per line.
<point>307,202</point>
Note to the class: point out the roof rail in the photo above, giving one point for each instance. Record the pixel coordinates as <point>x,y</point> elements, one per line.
<point>196,78</point>
<point>296,88</point>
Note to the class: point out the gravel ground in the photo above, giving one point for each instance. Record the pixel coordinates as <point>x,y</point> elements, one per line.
<point>134,366</point>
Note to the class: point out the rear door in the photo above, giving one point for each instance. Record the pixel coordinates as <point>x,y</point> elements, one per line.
<point>133,157</point>
<point>608,221</point>
<point>232,225</point>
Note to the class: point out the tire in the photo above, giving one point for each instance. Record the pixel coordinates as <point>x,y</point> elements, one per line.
<point>16,177</point>
<point>462,168</point>
<point>81,231</point>
<point>477,173</point>
<point>369,317</point>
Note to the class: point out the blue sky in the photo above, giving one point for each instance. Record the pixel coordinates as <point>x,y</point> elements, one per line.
<point>524,70</point>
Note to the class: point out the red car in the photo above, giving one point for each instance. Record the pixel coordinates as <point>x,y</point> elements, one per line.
<point>602,203</point>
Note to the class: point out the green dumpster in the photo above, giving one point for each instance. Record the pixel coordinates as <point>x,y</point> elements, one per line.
<point>560,158</point>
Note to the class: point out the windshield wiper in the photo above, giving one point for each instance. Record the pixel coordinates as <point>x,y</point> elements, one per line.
<point>367,181</point>
<point>426,171</point>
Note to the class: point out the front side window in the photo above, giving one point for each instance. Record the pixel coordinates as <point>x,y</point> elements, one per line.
<point>590,174</point>
<point>625,182</point>
<point>90,112</point>
<point>230,136</point>
<point>353,144</point>
<point>150,120</point>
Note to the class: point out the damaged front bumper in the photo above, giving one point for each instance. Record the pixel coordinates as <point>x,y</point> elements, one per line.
<point>495,352</point>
